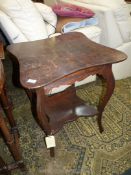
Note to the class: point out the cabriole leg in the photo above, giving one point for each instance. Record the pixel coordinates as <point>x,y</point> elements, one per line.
<point>110,85</point>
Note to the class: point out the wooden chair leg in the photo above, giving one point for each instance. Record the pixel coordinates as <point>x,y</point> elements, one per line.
<point>7,108</point>
<point>11,140</point>
<point>3,168</point>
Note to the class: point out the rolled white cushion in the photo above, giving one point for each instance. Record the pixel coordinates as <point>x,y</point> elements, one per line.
<point>49,16</point>
<point>26,17</point>
<point>12,33</point>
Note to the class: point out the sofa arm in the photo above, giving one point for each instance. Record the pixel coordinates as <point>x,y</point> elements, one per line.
<point>48,16</point>
<point>10,30</point>
<point>111,35</point>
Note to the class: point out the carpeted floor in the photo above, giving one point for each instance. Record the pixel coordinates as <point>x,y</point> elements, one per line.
<point>81,149</point>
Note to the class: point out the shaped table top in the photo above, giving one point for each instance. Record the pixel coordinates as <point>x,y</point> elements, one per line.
<point>45,61</point>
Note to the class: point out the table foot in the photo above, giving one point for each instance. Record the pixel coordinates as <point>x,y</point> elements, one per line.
<point>99,121</point>
<point>52,152</point>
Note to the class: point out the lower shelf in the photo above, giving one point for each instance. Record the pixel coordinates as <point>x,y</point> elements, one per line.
<point>66,107</point>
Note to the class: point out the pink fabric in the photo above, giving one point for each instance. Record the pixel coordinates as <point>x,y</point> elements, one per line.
<point>72,11</point>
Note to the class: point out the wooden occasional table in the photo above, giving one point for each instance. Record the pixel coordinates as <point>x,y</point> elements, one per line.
<point>11,138</point>
<point>63,60</point>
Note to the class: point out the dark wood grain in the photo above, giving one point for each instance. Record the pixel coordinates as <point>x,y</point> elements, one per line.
<point>63,60</point>
<point>1,51</point>
<point>47,57</point>
<point>11,138</point>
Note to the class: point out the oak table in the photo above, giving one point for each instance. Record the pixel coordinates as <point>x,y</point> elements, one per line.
<point>11,137</point>
<point>46,64</point>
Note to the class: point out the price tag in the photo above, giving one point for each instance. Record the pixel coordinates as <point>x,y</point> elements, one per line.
<point>31,81</point>
<point>50,141</point>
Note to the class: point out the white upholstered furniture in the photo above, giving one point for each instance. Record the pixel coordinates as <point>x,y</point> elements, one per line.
<point>115,22</point>
<point>23,21</point>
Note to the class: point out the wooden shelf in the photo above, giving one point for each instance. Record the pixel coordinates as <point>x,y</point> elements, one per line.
<point>66,107</point>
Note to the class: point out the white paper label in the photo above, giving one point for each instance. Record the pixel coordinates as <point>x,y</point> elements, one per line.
<point>50,141</point>
<point>31,81</point>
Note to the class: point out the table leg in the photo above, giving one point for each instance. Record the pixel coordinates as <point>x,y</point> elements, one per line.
<point>41,115</point>
<point>110,85</point>
<point>30,95</point>
<point>52,152</point>
<point>40,109</point>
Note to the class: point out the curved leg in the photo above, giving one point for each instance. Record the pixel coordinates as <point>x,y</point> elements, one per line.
<point>110,85</point>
